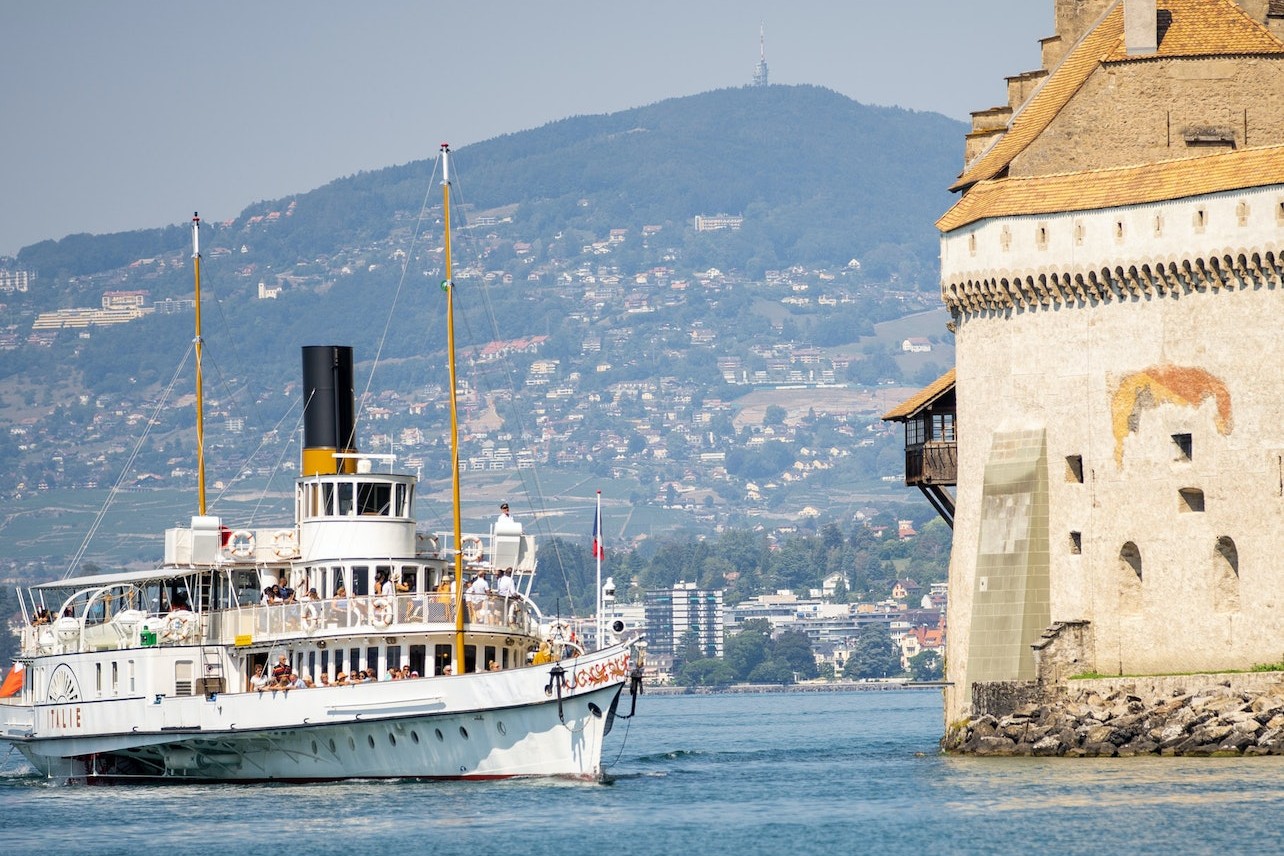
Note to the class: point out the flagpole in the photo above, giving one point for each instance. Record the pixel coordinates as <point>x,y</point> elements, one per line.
<point>597,554</point>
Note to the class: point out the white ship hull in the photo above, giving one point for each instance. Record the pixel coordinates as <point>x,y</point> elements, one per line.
<point>479,726</point>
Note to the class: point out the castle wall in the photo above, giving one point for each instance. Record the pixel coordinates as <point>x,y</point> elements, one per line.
<point>1140,112</point>
<point>1166,546</point>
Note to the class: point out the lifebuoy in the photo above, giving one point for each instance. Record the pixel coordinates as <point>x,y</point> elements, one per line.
<point>311,618</point>
<point>179,626</point>
<point>241,544</point>
<point>283,544</point>
<point>380,612</point>
<point>471,548</point>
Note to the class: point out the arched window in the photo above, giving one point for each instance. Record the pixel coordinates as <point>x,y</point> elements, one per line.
<point>1129,578</point>
<point>1225,575</point>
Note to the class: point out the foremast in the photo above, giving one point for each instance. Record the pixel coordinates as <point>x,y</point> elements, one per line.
<point>448,285</point>
<point>198,344</point>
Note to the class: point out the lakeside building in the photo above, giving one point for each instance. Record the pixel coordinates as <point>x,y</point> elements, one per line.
<point>673,613</point>
<point>1113,270</point>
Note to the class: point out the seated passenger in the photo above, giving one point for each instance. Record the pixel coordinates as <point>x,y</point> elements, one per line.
<point>543,655</point>
<point>42,616</point>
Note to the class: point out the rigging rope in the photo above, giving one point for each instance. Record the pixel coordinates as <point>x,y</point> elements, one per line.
<point>128,465</point>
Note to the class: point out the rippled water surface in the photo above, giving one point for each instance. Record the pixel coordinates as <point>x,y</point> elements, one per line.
<point>830,773</point>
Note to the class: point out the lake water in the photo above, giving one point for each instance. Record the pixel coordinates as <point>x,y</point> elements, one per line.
<point>789,773</point>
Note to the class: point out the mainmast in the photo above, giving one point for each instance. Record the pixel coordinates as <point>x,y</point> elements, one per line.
<point>200,396</point>
<point>448,285</point>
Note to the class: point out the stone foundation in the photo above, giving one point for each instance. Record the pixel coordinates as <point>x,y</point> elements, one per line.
<point>1210,714</point>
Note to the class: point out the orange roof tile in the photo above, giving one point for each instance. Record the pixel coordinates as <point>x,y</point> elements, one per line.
<point>1195,28</point>
<point>1111,188</point>
<point>922,398</point>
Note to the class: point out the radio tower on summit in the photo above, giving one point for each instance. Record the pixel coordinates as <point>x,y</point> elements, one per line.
<point>760,70</point>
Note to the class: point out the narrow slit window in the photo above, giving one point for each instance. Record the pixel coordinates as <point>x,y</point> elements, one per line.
<point>1074,469</point>
<point>1185,448</point>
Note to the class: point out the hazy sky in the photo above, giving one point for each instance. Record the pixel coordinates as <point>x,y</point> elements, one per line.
<point>132,114</point>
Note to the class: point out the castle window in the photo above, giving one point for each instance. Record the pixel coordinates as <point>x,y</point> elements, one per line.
<point>1279,214</point>
<point>971,243</point>
<point>1041,238</point>
<point>1241,213</point>
<point>1076,543</point>
<point>1119,231</point>
<point>1074,468</point>
<point>1005,239</point>
<point>1159,225</point>
<point>1225,575</point>
<point>1185,447</point>
<point>1192,499</point>
<point>1129,575</point>
<point>1201,220</point>
<point>1078,231</point>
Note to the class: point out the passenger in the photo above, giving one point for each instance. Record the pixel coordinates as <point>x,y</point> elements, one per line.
<point>269,596</point>
<point>543,655</point>
<point>384,585</point>
<point>414,674</point>
<point>42,616</point>
<point>260,681</point>
<point>325,680</point>
<point>69,613</point>
<point>505,587</point>
<point>476,597</point>
<point>340,679</point>
<point>449,670</point>
<point>282,668</point>
<point>393,675</point>
<point>492,666</point>
<point>405,672</point>
<point>285,594</point>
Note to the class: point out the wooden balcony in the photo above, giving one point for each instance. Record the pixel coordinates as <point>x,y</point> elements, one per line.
<point>934,462</point>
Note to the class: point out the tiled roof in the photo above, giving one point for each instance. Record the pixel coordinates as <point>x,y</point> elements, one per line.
<point>1195,28</point>
<point>922,398</point>
<point>1111,188</point>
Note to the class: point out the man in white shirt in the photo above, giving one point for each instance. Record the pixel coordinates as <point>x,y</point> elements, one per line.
<point>504,586</point>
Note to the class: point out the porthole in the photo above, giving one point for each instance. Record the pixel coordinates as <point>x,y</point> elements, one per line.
<point>499,726</point>
<point>314,747</point>
<point>595,710</point>
<point>392,738</point>
<point>331,744</point>
<point>414,737</point>
<point>463,732</point>
<point>352,744</point>
<point>370,740</point>
<point>438,732</point>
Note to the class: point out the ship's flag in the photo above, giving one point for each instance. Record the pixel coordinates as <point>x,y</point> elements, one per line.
<point>598,552</point>
<point>13,681</point>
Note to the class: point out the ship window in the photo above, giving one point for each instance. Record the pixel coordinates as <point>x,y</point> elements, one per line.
<point>332,744</point>
<point>463,732</point>
<point>414,737</point>
<point>499,726</point>
<point>394,656</point>
<point>491,655</point>
<point>374,499</point>
<point>372,660</point>
<point>183,678</point>
<point>440,659</point>
<point>354,659</point>
<point>115,677</point>
<point>418,654</point>
<point>98,678</point>
<point>129,663</point>
<point>326,507</point>
<point>345,499</point>
<point>392,738</point>
<point>352,744</point>
<point>370,740</point>
<point>437,731</point>
<point>314,747</point>
<point>338,660</point>
<point>360,580</point>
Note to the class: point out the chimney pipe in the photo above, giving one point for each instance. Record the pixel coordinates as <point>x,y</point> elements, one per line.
<point>1141,27</point>
<point>328,414</point>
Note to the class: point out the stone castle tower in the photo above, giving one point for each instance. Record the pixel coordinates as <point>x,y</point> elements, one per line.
<point>1113,268</point>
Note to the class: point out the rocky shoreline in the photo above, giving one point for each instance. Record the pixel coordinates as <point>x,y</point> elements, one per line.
<point>1199,715</point>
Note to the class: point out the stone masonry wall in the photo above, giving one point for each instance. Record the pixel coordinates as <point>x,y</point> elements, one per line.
<point>1211,714</point>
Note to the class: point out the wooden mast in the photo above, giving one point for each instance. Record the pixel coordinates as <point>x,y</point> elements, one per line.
<point>200,396</point>
<point>448,285</point>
